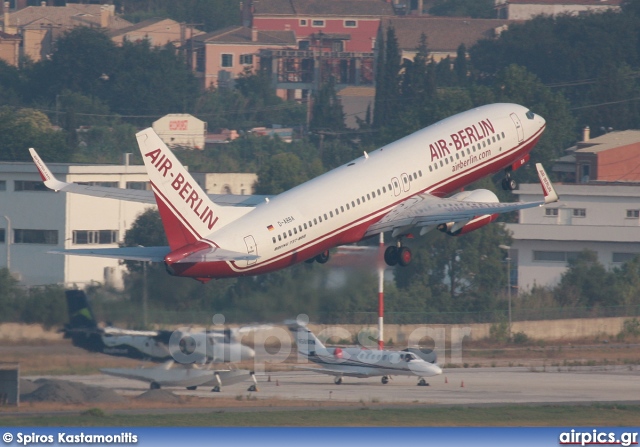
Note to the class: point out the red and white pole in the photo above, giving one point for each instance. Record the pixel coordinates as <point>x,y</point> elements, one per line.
<point>381,294</point>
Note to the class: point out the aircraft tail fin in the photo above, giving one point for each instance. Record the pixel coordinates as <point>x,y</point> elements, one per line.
<point>80,313</point>
<point>187,213</point>
<point>308,344</point>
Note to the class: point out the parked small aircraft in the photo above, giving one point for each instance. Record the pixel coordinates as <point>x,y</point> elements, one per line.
<point>358,362</point>
<point>187,357</point>
<point>400,188</point>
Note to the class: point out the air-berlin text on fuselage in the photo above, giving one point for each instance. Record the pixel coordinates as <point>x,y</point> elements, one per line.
<point>185,190</point>
<point>461,139</point>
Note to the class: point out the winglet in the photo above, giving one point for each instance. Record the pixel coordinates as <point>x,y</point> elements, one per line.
<point>47,177</point>
<point>549,192</point>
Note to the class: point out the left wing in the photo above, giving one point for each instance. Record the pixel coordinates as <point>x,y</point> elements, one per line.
<point>426,211</point>
<point>157,254</point>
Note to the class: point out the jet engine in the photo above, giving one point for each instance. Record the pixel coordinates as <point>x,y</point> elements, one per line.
<point>468,225</point>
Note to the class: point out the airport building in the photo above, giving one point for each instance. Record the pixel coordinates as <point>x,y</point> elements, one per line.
<point>598,210</point>
<point>34,220</point>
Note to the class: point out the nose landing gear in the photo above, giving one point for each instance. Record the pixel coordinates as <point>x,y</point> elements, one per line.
<point>509,184</point>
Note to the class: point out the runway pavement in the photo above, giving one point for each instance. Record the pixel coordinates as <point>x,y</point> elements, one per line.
<point>475,386</point>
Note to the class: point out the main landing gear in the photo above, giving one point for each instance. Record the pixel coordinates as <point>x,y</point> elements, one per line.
<point>422,382</point>
<point>337,380</point>
<point>397,254</point>
<point>509,184</point>
<point>385,380</point>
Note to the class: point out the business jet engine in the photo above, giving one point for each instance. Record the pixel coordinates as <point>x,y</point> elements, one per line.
<point>468,225</point>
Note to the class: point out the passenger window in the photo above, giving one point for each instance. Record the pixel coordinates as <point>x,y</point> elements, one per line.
<point>290,233</point>
<point>457,156</point>
<point>378,192</point>
<point>502,134</point>
<point>359,201</point>
<point>295,231</point>
<point>279,237</point>
<point>320,219</point>
<point>315,222</point>
<point>446,160</point>
<point>342,208</point>
<point>325,217</point>
<point>441,163</point>
<point>430,169</point>
<point>384,189</point>
<point>420,173</point>
<point>347,207</point>
<point>305,225</point>
<point>368,197</point>
<point>300,228</point>
<point>273,239</point>
<point>373,194</point>
<point>390,188</point>
<point>435,165</point>
<point>330,213</point>
<point>284,235</point>
<point>353,204</point>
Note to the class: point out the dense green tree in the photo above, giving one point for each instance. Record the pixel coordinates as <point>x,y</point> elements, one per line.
<point>387,79</point>
<point>326,113</point>
<point>477,9</point>
<point>21,129</point>
<point>280,173</point>
<point>586,283</point>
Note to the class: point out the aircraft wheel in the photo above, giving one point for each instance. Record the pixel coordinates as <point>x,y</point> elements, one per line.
<point>422,382</point>
<point>323,257</point>
<point>509,184</point>
<point>154,386</point>
<point>404,256</point>
<point>216,389</point>
<point>385,380</point>
<point>252,388</point>
<point>338,380</point>
<point>391,255</point>
<point>192,388</point>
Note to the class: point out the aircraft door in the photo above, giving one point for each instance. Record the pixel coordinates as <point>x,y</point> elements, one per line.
<point>406,182</point>
<point>396,186</point>
<point>252,248</point>
<point>519,129</point>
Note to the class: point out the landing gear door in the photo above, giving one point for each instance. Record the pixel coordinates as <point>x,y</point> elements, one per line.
<point>518,125</point>
<point>252,248</point>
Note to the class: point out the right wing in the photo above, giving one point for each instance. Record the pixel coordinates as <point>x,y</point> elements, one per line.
<point>131,195</point>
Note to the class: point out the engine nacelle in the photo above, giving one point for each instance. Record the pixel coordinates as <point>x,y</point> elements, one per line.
<point>464,227</point>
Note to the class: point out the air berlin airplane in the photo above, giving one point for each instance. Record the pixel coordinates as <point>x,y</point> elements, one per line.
<point>399,188</point>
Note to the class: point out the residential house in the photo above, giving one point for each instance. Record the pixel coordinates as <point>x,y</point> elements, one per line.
<point>10,48</point>
<point>41,26</point>
<point>158,32</point>
<point>444,34</point>
<point>220,56</point>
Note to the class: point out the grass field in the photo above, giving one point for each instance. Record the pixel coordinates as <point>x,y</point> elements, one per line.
<point>508,415</point>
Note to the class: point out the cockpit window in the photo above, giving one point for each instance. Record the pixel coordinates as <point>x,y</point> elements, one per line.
<point>530,114</point>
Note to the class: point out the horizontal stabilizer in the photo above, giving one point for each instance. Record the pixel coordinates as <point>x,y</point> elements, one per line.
<point>216,254</point>
<point>153,254</point>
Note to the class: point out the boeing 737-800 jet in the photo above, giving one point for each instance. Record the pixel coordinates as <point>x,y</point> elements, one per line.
<point>399,188</point>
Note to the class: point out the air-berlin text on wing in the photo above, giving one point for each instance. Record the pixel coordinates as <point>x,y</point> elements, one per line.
<point>461,139</point>
<point>184,189</point>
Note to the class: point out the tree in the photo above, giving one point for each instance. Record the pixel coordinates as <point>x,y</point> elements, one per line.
<point>327,113</point>
<point>586,283</point>
<point>477,9</point>
<point>387,85</point>
<point>21,129</point>
<point>280,173</point>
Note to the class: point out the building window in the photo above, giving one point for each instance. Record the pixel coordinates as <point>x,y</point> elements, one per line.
<point>303,22</point>
<point>246,59</point>
<point>579,212</point>
<point>200,60</point>
<point>142,186</point>
<point>585,173</point>
<point>303,45</point>
<point>49,237</point>
<point>623,257</point>
<point>551,212</point>
<point>29,185</point>
<point>105,184</point>
<point>317,23</point>
<point>227,60</point>
<point>95,237</point>
<point>3,185</point>
<point>554,256</point>
<point>350,24</point>
<point>633,214</point>
<point>2,236</point>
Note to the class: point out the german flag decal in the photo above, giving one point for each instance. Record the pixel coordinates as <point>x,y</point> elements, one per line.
<point>270,228</point>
